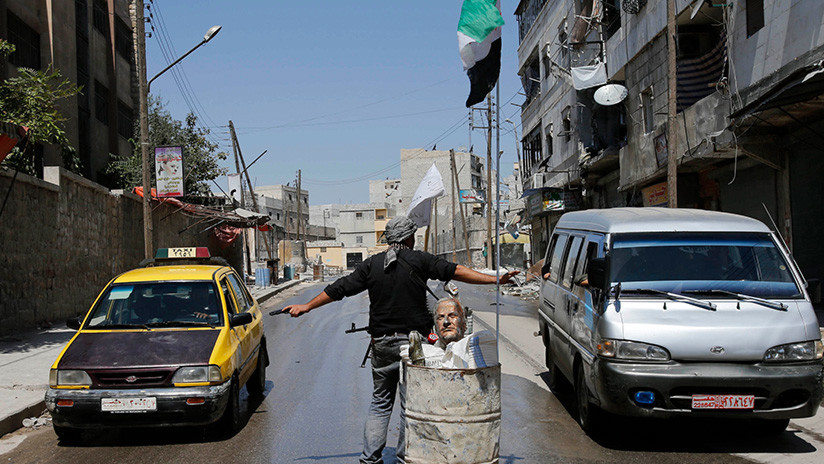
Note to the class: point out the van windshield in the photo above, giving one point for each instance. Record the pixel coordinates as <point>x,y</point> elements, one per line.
<point>747,263</point>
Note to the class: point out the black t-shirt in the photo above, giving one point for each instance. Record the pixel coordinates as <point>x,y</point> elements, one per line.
<point>397,302</point>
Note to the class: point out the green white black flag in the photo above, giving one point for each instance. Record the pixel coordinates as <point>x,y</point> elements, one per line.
<point>479,41</point>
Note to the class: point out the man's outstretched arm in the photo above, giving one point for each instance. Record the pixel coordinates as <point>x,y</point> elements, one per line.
<point>469,276</point>
<point>316,302</point>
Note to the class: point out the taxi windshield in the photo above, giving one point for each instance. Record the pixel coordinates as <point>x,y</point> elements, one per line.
<point>747,263</point>
<point>157,304</point>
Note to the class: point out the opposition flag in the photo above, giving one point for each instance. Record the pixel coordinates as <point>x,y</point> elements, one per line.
<point>479,41</point>
<point>431,186</point>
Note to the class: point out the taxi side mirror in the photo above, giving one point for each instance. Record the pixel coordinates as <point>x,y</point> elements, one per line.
<point>240,319</point>
<point>73,323</point>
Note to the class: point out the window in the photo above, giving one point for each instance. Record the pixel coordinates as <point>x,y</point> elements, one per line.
<point>101,102</point>
<point>27,42</point>
<point>227,295</point>
<point>567,124</point>
<point>243,298</point>
<point>571,261</point>
<point>755,16</point>
<point>557,253</point>
<point>532,150</point>
<point>290,197</point>
<point>359,239</point>
<point>380,216</point>
<point>323,249</point>
<point>160,303</point>
<point>358,215</point>
<point>125,121</point>
<point>563,43</point>
<point>100,17</point>
<point>647,110</point>
<point>123,39</point>
<point>612,17</point>
<point>548,144</point>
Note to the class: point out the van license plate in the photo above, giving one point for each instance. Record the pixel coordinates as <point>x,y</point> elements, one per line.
<point>128,404</point>
<point>723,402</point>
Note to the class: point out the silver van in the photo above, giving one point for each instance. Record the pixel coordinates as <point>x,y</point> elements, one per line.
<point>660,312</point>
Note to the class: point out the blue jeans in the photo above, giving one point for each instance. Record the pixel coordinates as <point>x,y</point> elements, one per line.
<point>385,376</point>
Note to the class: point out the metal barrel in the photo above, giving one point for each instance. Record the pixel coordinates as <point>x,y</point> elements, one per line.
<point>452,415</point>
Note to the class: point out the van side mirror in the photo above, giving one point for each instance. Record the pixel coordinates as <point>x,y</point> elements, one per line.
<point>597,273</point>
<point>240,319</point>
<point>73,323</point>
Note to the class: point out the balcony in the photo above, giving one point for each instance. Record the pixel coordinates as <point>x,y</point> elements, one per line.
<point>526,14</point>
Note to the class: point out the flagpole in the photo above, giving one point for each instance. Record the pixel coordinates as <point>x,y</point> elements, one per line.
<point>497,215</point>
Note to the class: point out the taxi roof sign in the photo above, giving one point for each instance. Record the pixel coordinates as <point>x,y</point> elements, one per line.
<point>185,252</point>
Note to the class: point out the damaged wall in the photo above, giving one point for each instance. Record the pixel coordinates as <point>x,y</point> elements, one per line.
<point>65,237</point>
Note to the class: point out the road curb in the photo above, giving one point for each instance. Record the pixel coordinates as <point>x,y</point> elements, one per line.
<point>14,421</point>
<point>274,291</point>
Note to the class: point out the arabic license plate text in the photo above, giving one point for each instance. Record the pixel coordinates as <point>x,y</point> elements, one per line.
<point>723,402</point>
<point>128,404</point>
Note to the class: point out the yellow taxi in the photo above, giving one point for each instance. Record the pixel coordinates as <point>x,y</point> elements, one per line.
<point>170,343</point>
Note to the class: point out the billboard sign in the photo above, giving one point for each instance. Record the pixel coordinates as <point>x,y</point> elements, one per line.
<point>169,169</point>
<point>472,196</point>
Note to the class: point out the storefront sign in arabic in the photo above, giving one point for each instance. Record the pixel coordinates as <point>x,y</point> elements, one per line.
<point>551,200</point>
<point>169,169</point>
<point>472,196</point>
<point>655,195</point>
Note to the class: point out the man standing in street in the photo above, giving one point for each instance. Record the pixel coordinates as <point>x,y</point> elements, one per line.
<point>396,281</point>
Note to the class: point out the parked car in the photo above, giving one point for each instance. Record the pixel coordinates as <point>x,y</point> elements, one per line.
<point>658,312</point>
<point>171,343</point>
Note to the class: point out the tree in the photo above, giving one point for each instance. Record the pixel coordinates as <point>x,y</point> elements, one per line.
<point>30,100</point>
<point>200,156</point>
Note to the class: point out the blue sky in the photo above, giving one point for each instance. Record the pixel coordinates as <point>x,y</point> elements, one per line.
<point>335,89</point>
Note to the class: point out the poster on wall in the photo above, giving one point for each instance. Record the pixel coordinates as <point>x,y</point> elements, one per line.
<point>169,167</point>
<point>655,195</point>
<point>661,152</point>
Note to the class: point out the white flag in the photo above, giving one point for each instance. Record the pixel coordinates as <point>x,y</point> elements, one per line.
<point>430,187</point>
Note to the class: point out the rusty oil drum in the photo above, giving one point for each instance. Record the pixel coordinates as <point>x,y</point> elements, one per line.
<point>452,415</point>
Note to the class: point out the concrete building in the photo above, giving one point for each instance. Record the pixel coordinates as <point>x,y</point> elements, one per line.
<point>327,252</point>
<point>362,227</point>
<point>748,124</point>
<point>90,43</point>
<point>327,215</point>
<point>284,208</point>
<point>471,176</point>
<point>386,192</point>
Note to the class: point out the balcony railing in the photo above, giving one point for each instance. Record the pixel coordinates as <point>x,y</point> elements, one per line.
<point>527,13</point>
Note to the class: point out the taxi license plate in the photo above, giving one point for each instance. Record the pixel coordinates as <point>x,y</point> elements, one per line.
<point>723,402</point>
<point>128,404</point>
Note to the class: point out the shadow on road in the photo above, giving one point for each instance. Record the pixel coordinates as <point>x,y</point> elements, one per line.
<point>692,435</point>
<point>161,436</point>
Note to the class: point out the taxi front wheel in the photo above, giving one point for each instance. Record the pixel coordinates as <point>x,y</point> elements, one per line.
<point>257,382</point>
<point>229,422</point>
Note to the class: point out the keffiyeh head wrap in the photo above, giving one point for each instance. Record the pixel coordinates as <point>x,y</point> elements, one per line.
<point>397,230</point>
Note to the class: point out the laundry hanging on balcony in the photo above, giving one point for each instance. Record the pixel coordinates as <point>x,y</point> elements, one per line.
<point>697,77</point>
<point>585,77</point>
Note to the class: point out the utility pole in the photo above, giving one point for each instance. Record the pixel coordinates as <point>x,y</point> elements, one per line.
<point>239,154</point>
<point>236,149</point>
<point>672,83</point>
<point>463,218</point>
<point>489,181</point>
<point>139,37</point>
<point>454,232</point>
<point>435,237</point>
<point>299,212</point>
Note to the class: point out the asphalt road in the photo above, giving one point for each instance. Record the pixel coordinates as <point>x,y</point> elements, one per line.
<point>317,397</point>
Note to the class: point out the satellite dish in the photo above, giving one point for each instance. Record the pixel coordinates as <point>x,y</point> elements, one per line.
<point>610,94</point>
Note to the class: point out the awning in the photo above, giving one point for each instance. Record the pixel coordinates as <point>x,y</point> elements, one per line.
<point>240,217</point>
<point>803,86</point>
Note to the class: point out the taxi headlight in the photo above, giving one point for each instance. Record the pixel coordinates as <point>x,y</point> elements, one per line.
<point>196,374</point>
<point>802,351</point>
<point>69,377</point>
<point>632,351</point>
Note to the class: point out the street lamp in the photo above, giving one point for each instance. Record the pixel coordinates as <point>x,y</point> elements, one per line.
<point>140,61</point>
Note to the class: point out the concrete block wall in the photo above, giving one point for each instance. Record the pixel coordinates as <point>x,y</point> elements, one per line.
<point>65,237</point>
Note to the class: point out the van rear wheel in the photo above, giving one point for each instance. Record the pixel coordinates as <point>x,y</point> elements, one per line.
<point>555,378</point>
<point>589,415</point>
